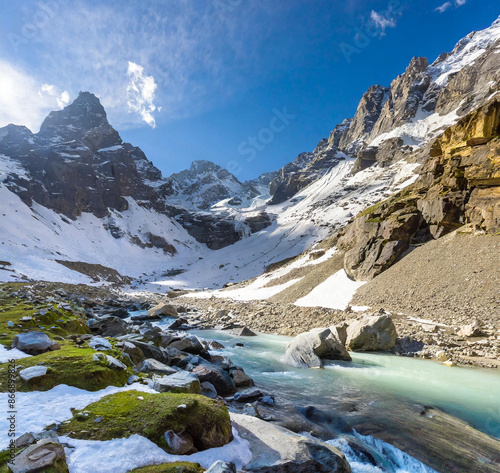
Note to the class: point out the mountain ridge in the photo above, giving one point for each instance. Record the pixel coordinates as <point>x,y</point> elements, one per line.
<point>78,164</point>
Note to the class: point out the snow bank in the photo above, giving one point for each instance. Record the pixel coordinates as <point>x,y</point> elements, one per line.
<point>36,410</point>
<point>12,354</point>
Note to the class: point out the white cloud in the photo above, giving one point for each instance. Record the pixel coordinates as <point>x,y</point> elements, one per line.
<point>383,20</point>
<point>447,5</point>
<point>62,99</point>
<point>24,100</point>
<point>197,60</point>
<point>442,8</point>
<point>141,93</point>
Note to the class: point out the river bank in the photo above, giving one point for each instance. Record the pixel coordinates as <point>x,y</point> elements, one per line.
<point>457,340</point>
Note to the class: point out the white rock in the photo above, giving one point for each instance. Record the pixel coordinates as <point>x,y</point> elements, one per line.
<point>115,364</point>
<point>100,343</point>
<point>33,372</point>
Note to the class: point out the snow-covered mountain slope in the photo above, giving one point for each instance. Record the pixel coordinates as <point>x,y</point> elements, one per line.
<point>35,238</point>
<point>297,225</point>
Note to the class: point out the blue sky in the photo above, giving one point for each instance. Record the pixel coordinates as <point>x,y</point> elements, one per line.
<point>248,84</point>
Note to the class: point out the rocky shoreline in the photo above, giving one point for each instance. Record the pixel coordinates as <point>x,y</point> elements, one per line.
<point>457,340</point>
<point>171,387</point>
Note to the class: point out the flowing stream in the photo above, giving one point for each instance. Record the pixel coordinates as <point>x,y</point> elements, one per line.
<point>469,394</point>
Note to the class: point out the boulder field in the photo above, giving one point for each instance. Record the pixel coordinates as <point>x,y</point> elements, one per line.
<point>186,390</point>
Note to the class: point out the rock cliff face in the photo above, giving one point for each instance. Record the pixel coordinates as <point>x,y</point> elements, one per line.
<point>78,163</point>
<point>307,168</point>
<point>459,184</point>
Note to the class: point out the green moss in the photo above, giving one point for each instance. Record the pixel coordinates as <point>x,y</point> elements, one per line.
<point>4,458</point>
<point>371,209</point>
<point>178,467</point>
<point>124,414</point>
<point>56,322</point>
<point>72,365</point>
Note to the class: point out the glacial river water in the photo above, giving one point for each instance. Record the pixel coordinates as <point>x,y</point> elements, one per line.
<point>470,394</point>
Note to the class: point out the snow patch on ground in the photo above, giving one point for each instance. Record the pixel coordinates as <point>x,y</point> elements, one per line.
<point>123,455</point>
<point>334,293</point>
<point>36,410</point>
<point>12,354</point>
<point>253,292</point>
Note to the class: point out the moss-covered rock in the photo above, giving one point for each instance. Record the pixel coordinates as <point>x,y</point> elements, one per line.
<point>53,320</point>
<point>178,467</point>
<point>72,365</point>
<point>151,415</point>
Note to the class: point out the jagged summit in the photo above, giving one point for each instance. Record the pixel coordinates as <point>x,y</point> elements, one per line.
<point>85,118</point>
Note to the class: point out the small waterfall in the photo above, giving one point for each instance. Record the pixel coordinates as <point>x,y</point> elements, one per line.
<point>387,458</point>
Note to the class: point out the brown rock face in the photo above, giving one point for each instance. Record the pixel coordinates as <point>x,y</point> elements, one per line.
<point>458,184</point>
<point>405,95</point>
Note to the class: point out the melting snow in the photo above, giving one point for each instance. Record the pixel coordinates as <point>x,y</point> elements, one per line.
<point>12,354</point>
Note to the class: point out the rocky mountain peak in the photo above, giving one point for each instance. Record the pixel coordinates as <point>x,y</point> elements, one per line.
<point>16,138</point>
<point>417,65</point>
<point>77,120</point>
<point>203,166</point>
<point>15,133</point>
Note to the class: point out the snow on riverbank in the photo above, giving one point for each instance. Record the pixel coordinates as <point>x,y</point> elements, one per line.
<point>12,354</point>
<point>36,410</point>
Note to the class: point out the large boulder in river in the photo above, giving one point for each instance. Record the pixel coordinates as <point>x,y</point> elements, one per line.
<point>373,333</point>
<point>34,343</point>
<point>278,450</point>
<point>189,343</point>
<point>307,350</point>
<point>218,377</point>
